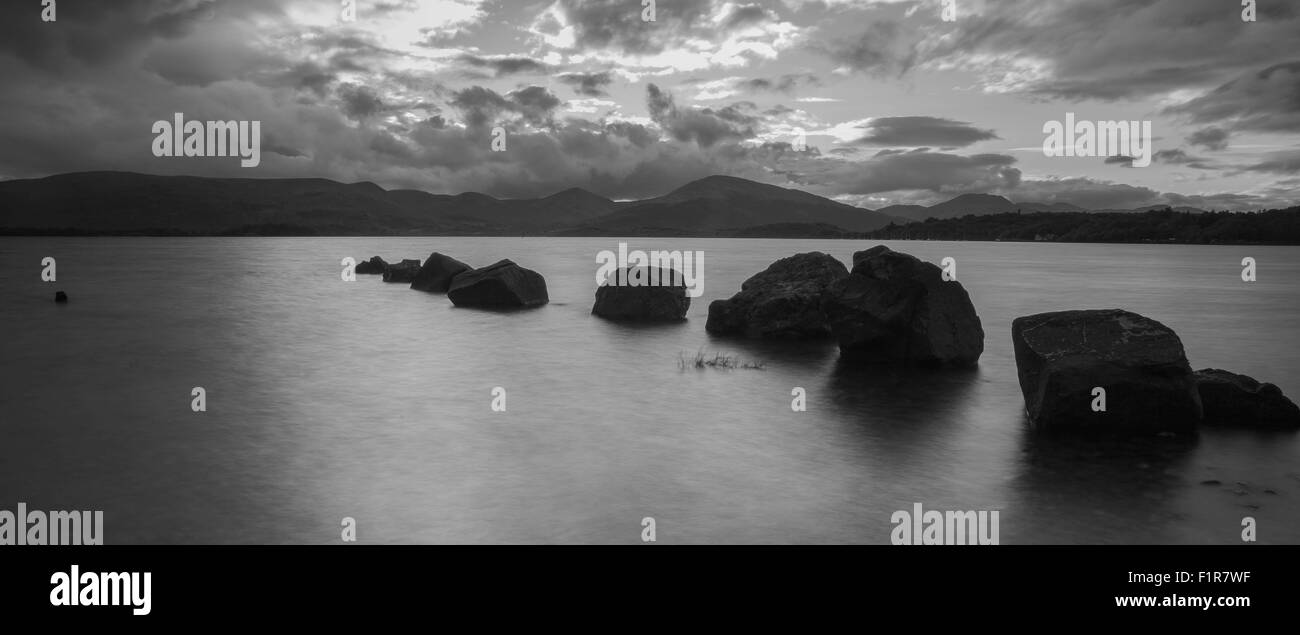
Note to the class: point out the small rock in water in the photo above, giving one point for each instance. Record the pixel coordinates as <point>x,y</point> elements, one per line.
<point>404,271</point>
<point>502,285</point>
<point>60,296</point>
<point>1212,482</point>
<point>649,294</point>
<point>437,273</point>
<point>1269,491</point>
<point>375,265</point>
<point>1230,399</point>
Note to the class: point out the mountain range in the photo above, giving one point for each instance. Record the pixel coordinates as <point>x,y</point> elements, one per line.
<point>127,203</point>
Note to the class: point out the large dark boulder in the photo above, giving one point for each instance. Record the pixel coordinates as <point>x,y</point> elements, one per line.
<point>404,271</point>
<point>503,285</point>
<point>1229,399</point>
<point>1061,357</point>
<point>896,307</point>
<point>643,294</point>
<point>437,273</point>
<point>375,265</point>
<point>780,302</point>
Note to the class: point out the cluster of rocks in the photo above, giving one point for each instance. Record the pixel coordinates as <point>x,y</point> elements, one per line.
<point>1062,358</point>
<point>503,284</point>
<point>891,307</point>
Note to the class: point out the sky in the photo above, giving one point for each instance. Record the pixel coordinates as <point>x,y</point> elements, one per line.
<point>867,102</point>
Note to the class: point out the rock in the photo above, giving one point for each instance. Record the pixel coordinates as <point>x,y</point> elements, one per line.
<point>504,284</point>
<point>1230,399</point>
<point>437,273</point>
<point>1061,357</point>
<point>60,297</point>
<point>404,271</point>
<point>896,307</point>
<point>633,297</point>
<point>375,265</point>
<point>780,302</point>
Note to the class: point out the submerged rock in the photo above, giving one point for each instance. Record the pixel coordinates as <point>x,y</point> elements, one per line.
<point>503,284</point>
<point>896,307</point>
<point>375,265</point>
<point>1229,399</point>
<point>1140,363</point>
<point>404,271</point>
<point>438,272</point>
<point>780,302</point>
<point>643,294</point>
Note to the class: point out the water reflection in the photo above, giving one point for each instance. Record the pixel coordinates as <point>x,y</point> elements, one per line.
<point>1101,488</point>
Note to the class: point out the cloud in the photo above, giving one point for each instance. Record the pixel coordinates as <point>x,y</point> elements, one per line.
<point>1285,162</point>
<point>882,48</point>
<point>1180,157</point>
<point>502,65</point>
<point>916,170</point>
<point>783,84</point>
<point>1265,101</point>
<point>588,84</point>
<point>359,102</point>
<point>1209,138</point>
<point>617,24</point>
<point>481,106</point>
<point>922,131</point>
<point>1073,49</point>
<point>686,35</point>
<point>704,126</point>
<point>1122,160</point>
<point>1085,192</point>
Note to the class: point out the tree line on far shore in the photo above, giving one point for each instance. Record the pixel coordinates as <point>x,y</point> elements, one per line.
<point>1277,226</point>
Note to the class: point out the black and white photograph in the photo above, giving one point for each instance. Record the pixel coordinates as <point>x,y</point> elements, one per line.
<point>343,273</point>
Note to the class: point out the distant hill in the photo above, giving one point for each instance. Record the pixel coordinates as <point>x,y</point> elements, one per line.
<point>972,204</point>
<point>127,203</point>
<point>723,203</point>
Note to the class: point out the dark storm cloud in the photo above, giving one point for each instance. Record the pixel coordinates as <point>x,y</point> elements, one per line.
<point>923,131</point>
<point>359,102</point>
<point>705,126</point>
<point>1266,101</point>
<point>480,106</point>
<point>534,102</point>
<point>1180,157</point>
<point>587,84</point>
<point>744,15</point>
<point>882,48</point>
<point>1209,138</point>
<point>783,84</point>
<point>504,65</point>
<point>308,76</point>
